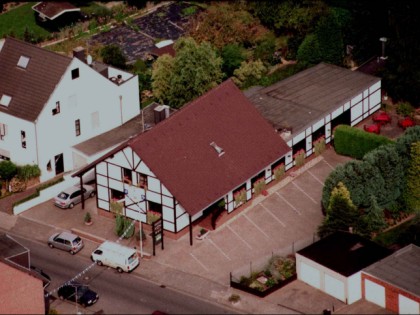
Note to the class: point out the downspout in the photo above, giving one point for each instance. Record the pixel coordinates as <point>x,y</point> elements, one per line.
<point>36,143</point>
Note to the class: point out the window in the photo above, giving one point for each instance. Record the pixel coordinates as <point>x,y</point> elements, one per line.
<point>23,62</point>
<point>126,175</point>
<point>23,138</point>
<point>75,73</point>
<point>5,100</point>
<point>56,110</point>
<point>3,131</point>
<point>77,126</point>
<point>142,180</point>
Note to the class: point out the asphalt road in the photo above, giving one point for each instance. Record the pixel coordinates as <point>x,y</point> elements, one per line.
<point>118,293</point>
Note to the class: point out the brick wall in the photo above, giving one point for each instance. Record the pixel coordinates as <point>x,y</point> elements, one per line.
<point>391,293</point>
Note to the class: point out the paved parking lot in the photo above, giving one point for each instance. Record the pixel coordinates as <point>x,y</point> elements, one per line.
<point>286,219</point>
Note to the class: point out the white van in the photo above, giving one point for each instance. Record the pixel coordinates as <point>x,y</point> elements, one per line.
<point>117,256</point>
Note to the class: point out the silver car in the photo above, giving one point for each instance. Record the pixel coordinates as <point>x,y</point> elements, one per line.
<point>66,241</point>
<point>73,195</point>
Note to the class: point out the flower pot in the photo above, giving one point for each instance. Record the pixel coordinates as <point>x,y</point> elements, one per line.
<point>88,222</point>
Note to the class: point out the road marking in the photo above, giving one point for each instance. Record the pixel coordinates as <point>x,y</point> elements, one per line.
<point>234,232</point>
<point>313,200</point>
<point>197,260</point>
<point>272,214</point>
<point>292,206</point>
<point>258,228</point>
<point>316,178</point>
<point>332,167</point>
<point>220,250</point>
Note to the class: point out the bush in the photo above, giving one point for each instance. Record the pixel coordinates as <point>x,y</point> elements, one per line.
<point>404,109</point>
<point>356,143</point>
<point>279,172</point>
<point>259,186</point>
<point>299,158</point>
<point>124,226</point>
<point>28,171</point>
<point>36,194</point>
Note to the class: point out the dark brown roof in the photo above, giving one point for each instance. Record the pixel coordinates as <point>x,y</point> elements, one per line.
<point>179,153</point>
<point>345,253</point>
<point>53,9</point>
<point>29,88</point>
<point>304,98</point>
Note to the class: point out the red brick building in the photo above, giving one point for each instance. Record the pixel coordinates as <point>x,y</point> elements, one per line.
<point>394,282</point>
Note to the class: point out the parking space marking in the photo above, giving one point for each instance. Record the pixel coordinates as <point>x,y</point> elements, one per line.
<point>316,178</point>
<point>234,232</point>
<point>273,215</point>
<point>332,167</point>
<point>313,200</point>
<point>258,228</point>
<point>220,250</point>
<point>199,262</point>
<point>292,206</point>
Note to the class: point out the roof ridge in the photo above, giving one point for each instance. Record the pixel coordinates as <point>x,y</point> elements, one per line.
<point>8,38</point>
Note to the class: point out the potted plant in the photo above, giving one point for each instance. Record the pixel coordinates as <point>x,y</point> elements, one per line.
<point>202,233</point>
<point>88,219</point>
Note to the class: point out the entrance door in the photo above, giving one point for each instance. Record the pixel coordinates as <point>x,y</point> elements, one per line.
<point>59,164</point>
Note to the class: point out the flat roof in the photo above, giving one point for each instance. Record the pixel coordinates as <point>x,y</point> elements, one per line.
<point>401,269</point>
<point>345,253</point>
<point>299,101</point>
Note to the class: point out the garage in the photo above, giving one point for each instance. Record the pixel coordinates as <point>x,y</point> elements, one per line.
<point>334,263</point>
<point>393,283</point>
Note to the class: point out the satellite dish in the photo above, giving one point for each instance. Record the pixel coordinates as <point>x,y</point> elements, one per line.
<point>89,59</point>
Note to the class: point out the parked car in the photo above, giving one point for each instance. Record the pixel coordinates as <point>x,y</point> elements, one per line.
<point>79,293</point>
<point>66,241</point>
<point>73,195</point>
<point>45,278</point>
<point>117,256</point>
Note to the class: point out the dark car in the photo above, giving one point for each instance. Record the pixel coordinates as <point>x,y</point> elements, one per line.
<point>79,293</point>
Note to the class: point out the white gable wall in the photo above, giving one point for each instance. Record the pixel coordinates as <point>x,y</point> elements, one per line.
<point>91,98</point>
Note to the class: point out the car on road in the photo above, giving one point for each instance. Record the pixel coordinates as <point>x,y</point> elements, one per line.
<point>79,293</point>
<point>73,195</point>
<point>66,241</point>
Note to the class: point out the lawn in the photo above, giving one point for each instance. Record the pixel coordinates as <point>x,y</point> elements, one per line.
<point>18,19</point>
<point>402,235</point>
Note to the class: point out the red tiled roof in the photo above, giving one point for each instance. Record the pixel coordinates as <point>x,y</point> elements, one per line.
<point>178,149</point>
<point>29,88</point>
<point>164,50</point>
<point>53,9</point>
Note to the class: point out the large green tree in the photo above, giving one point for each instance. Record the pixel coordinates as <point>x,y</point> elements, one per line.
<point>194,70</point>
<point>113,55</point>
<point>341,212</point>
<point>232,55</point>
<point>373,220</point>
<point>412,192</point>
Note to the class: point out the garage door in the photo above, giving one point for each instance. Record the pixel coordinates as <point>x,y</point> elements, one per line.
<point>335,288</point>
<point>310,275</point>
<point>407,306</point>
<point>375,293</point>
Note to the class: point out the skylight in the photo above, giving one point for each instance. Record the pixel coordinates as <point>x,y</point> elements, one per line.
<point>23,62</point>
<point>5,100</point>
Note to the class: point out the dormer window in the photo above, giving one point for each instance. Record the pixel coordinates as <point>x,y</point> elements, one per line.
<point>23,62</point>
<point>5,100</point>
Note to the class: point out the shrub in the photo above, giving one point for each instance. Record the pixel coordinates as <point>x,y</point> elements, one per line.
<point>299,158</point>
<point>124,227</point>
<point>188,11</point>
<point>36,194</point>
<point>88,217</point>
<point>28,171</point>
<point>239,197</point>
<point>405,109</point>
<point>319,145</point>
<point>259,186</point>
<point>116,207</point>
<point>152,217</point>
<point>356,143</point>
<point>279,172</point>
<point>234,298</point>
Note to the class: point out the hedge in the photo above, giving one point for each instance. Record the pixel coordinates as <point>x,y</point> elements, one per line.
<point>356,143</point>
<point>38,189</point>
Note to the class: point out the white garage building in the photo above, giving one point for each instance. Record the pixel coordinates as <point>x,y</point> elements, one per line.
<point>334,264</point>
<point>394,282</point>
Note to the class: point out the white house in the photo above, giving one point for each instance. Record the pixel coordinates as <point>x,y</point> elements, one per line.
<point>212,149</point>
<point>50,103</point>
<point>310,104</point>
<point>334,264</point>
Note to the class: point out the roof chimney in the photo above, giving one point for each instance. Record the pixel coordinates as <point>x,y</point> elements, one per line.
<point>161,113</point>
<point>79,53</point>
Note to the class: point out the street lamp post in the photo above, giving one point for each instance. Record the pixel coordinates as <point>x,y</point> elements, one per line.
<point>383,40</point>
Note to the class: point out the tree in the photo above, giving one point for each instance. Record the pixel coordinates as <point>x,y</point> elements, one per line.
<point>112,55</point>
<point>227,23</point>
<point>330,39</point>
<point>7,171</point>
<point>194,70</point>
<point>249,73</point>
<point>232,55</point>
<point>341,212</point>
<point>308,52</point>
<point>412,191</point>
<point>265,49</point>
<point>373,219</point>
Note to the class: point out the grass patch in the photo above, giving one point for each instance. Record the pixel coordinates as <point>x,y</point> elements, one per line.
<point>18,19</point>
<point>402,235</point>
